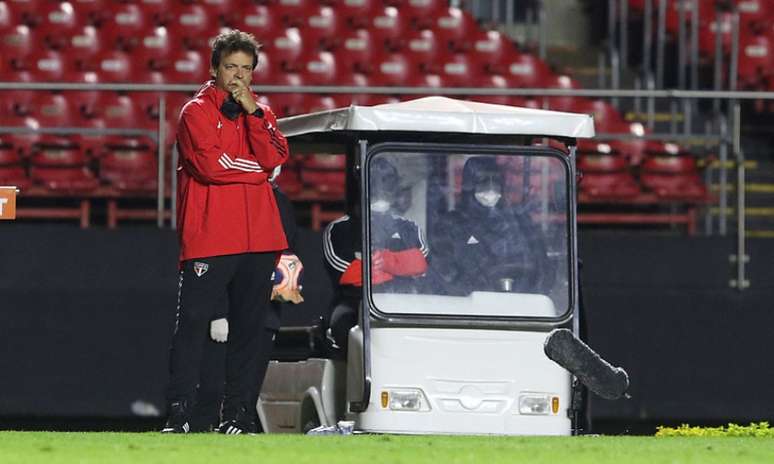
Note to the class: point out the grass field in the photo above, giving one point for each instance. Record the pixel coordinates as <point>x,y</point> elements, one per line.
<point>61,447</point>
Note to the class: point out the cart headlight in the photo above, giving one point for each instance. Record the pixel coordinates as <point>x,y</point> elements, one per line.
<point>538,404</point>
<point>405,399</point>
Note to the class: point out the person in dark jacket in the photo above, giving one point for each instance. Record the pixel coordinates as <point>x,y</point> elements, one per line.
<point>230,231</point>
<point>399,252</point>
<point>484,244</point>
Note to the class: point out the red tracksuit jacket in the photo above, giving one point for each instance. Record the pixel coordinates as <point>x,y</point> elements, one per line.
<point>226,204</point>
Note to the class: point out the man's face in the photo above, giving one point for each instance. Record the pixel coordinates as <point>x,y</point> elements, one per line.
<point>237,66</point>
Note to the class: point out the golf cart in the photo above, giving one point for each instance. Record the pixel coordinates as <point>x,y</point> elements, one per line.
<point>446,355</point>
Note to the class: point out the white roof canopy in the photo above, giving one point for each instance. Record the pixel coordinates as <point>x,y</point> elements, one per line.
<point>442,114</point>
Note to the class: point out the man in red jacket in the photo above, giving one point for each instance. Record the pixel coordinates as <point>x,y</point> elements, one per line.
<point>229,229</point>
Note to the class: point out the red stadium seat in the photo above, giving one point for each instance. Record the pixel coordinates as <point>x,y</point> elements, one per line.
<point>287,104</point>
<point>119,111</point>
<point>14,175</point>
<point>115,66</point>
<point>47,66</point>
<point>285,49</point>
<point>293,12</point>
<point>7,20</point>
<point>361,99</point>
<point>158,12</point>
<point>562,103</point>
<point>263,21</point>
<point>709,30</point>
<point>189,67</point>
<point>24,142</point>
<point>323,161</point>
<point>54,110</point>
<point>92,11</point>
<point>423,47</point>
<point>458,70</point>
<point>59,153</point>
<point>356,52</point>
<point>83,47</point>
<point>130,170</point>
<point>320,68</point>
<point>17,44</point>
<point>421,13</point>
<point>526,70</point>
<point>17,102</point>
<point>388,28</point>
<point>59,20</point>
<point>316,103</point>
<point>433,81</point>
<point>493,81</point>
<point>193,24</point>
<point>8,155</point>
<point>356,13</point>
<point>756,13</point>
<point>755,59</point>
<point>606,176</point>
<point>607,119</point>
<point>154,49</point>
<point>455,27</point>
<point>325,182</point>
<point>224,10</point>
<point>493,49</point>
<point>321,28</point>
<point>127,23</point>
<point>673,177</point>
<point>71,179</point>
<point>26,11</point>
<point>392,69</point>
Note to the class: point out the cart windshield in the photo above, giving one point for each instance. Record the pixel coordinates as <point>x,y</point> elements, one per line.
<point>469,234</point>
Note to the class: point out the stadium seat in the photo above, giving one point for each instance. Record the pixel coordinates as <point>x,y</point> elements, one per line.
<point>293,12</point>
<point>8,154</point>
<point>287,104</point>
<point>285,49</point>
<point>193,24</point>
<point>65,180</point>
<point>47,66</point>
<point>388,28</point>
<point>492,49</point>
<point>323,161</point>
<point>421,13</point>
<point>331,183</point>
<point>423,47</point>
<point>154,49</point>
<point>59,20</point>
<point>356,13</point>
<point>130,170</point>
<point>224,11</point>
<point>356,51</point>
<point>755,59</point>
<point>709,30</point>
<point>14,175</point>
<point>94,12</point>
<point>54,110</point>
<point>433,81</point>
<point>455,28</point>
<point>673,177</point>
<point>60,152</point>
<point>353,80</point>
<point>115,66</point>
<point>756,13</point>
<point>526,70</point>
<point>392,69</point>
<point>262,74</point>
<point>17,44</point>
<point>126,24</point>
<point>606,176</point>
<point>607,119</point>
<point>458,69</point>
<point>83,47</point>
<point>563,103</point>
<point>188,67</point>
<point>156,12</point>
<point>26,11</point>
<point>6,19</point>
<point>17,102</point>
<point>321,28</point>
<point>319,68</point>
<point>263,21</point>
<point>315,103</point>
<point>492,81</point>
<point>23,142</point>
<point>119,111</point>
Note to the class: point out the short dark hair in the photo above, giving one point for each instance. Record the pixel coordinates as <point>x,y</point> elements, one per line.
<point>232,41</point>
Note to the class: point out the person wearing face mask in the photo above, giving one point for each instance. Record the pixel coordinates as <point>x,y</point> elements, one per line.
<point>230,232</point>
<point>485,243</point>
<point>399,252</point>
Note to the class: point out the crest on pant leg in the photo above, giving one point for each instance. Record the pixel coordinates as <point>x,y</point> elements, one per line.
<point>200,268</point>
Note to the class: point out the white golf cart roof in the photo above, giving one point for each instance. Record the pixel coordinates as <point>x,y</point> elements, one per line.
<point>442,114</point>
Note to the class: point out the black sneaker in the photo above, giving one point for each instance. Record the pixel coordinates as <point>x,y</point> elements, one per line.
<point>177,422</point>
<point>238,424</point>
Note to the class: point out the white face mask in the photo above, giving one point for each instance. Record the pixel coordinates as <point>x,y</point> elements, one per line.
<point>488,198</point>
<point>380,206</point>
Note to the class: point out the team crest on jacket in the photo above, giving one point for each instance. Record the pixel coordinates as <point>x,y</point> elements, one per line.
<point>200,268</point>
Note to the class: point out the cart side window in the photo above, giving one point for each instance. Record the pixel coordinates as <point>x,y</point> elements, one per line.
<point>469,234</point>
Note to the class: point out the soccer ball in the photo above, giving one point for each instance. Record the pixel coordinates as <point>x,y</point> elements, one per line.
<point>287,279</point>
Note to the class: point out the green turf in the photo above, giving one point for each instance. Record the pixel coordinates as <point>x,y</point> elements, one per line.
<point>58,447</point>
